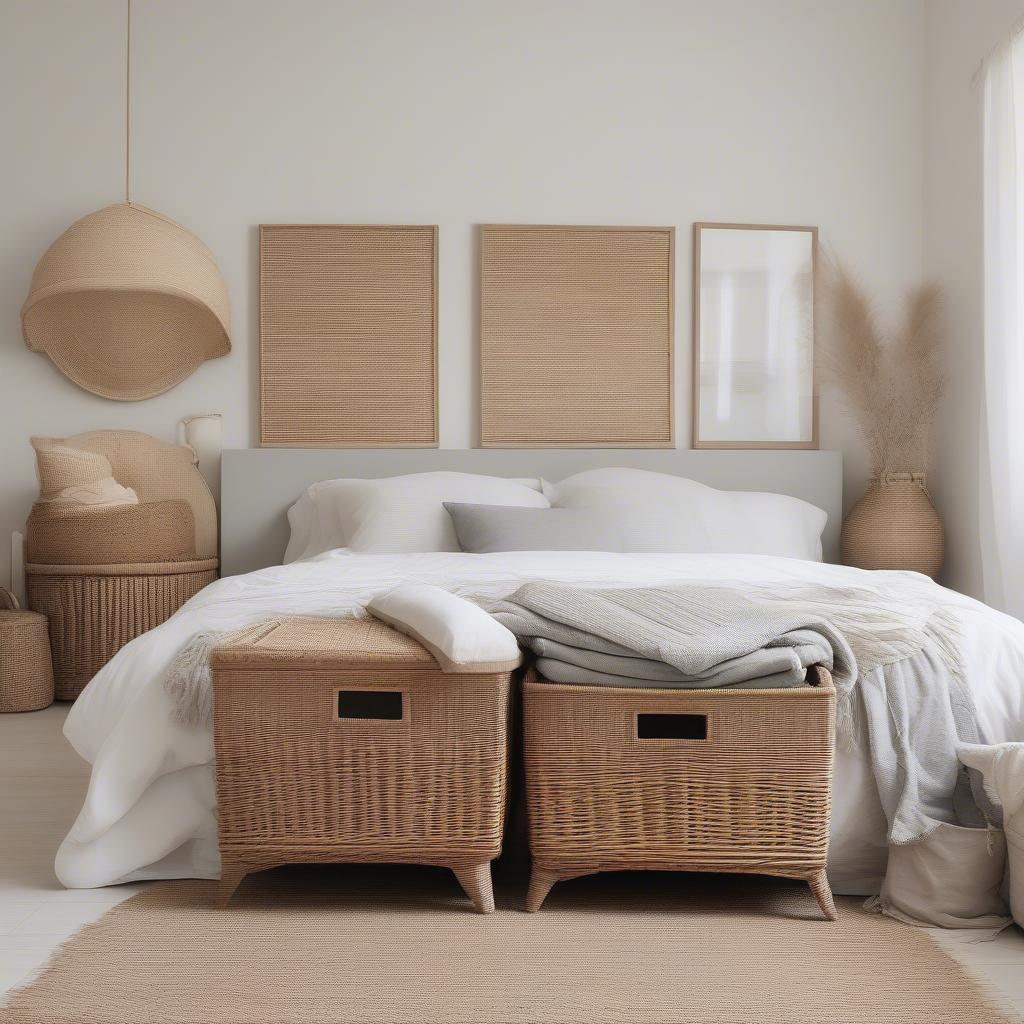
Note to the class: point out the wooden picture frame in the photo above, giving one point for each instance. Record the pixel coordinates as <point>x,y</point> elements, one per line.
<point>810,414</point>
<point>348,336</point>
<point>576,336</point>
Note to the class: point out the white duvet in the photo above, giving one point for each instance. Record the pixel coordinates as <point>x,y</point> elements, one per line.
<point>150,811</point>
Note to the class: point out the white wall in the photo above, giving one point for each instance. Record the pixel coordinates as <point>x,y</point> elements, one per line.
<point>960,33</point>
<point>790,111</point>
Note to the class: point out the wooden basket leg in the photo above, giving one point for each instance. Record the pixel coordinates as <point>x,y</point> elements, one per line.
<point>541,881</point>
<point>823,894</point>
<point>475,880</point>
<point>230,878</point>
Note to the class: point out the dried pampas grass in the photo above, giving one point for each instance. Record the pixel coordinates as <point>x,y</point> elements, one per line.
<point>892,384</point>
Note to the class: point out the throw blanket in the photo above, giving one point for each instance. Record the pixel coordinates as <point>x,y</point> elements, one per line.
<point>895,649</point>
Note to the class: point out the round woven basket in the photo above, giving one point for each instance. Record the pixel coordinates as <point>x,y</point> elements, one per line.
<point>26,673</point>
<point>127,303</point>
<point>895,526</point>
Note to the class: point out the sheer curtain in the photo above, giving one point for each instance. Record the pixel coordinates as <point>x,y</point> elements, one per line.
<point>1003,433</point>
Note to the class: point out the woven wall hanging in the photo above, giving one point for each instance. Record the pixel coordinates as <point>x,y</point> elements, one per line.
<point>126,302</point>
<point>348,335</point>
<point>576,336</point>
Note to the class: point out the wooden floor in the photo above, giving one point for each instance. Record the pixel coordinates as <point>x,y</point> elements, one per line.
<point>42,782</point>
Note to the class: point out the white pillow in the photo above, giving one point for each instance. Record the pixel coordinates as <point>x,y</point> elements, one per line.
<point>395,514</point>
<point>673,514</point>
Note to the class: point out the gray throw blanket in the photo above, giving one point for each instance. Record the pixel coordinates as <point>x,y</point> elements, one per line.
<point>892,646</point>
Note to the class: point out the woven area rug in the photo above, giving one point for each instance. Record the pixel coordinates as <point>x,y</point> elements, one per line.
<point>360,945</point>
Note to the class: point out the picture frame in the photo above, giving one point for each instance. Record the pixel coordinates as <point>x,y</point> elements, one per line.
<point>754,383</point>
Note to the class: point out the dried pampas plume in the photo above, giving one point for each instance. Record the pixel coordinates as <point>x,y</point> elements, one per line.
<point>892,385</point>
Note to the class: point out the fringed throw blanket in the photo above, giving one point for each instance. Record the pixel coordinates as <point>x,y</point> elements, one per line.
<point>896,647</point>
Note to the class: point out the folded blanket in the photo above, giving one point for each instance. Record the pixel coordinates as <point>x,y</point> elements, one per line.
<point>696,637</point>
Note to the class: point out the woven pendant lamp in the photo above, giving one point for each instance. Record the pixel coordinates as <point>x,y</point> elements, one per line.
<point>126,302</point>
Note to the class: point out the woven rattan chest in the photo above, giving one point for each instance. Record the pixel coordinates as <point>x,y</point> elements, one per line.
<point>723,780</point>
<point>342,740</point>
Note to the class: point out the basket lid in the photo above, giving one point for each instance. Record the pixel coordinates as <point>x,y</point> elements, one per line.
<point>127,303</point>
<point>314,643</point>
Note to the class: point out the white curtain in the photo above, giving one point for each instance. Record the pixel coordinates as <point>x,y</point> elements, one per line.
<point>1003,426</point>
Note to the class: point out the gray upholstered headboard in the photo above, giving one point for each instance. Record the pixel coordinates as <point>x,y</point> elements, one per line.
<point>259,484</point>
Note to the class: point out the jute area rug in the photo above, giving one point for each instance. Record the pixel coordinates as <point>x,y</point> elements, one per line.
<point>399,946</point>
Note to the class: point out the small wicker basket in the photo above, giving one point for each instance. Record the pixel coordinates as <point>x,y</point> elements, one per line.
<point>26,672</point>
<point>724,780</point>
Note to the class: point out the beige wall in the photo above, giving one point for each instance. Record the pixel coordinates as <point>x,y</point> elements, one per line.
<point>793,111</point>
<point>959,35</point>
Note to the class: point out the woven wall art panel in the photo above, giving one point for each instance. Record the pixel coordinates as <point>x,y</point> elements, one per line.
<point>576,336</point>
<point>348,335</point>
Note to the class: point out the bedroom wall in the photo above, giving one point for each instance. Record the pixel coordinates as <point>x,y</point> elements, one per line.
<point>795,111</point>
<point>959,35</point>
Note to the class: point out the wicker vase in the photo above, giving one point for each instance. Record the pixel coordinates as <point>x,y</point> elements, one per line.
<point>895,526</point>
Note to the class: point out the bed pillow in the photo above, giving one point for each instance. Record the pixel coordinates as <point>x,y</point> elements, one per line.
<point>659,512</point>
<point>395,514</point>
<point>484,529</point>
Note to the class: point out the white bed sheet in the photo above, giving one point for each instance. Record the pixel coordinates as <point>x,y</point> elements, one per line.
<point>150,811</point>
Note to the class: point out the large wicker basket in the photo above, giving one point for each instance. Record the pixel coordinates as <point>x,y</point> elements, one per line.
<point>691,780</point>
<point>342,740</point>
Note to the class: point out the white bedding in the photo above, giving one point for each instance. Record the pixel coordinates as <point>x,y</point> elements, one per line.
<point>150,809</point>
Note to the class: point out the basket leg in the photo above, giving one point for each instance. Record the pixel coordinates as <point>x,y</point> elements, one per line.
<point>230,878</point>
<point>823,894</point>
<point>475,880</point>
<point>541,881</point>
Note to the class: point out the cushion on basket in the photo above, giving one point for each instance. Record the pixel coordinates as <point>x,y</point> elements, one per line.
<point>76,476</point>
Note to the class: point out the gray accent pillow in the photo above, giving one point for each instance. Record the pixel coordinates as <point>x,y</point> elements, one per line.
<point>483,529</point>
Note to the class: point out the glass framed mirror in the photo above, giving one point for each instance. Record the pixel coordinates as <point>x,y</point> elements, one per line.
<point>753,336</point>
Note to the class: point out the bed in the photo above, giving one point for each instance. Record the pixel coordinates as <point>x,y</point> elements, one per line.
<point>150,807</point>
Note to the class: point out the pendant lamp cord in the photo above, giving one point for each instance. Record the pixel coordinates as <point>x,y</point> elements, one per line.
<point>128,106</point>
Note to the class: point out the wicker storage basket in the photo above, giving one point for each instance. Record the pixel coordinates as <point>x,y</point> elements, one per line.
<point>26,675</point>
<point>94,610</point>
<point>342,740</point>
<point>691,780</point>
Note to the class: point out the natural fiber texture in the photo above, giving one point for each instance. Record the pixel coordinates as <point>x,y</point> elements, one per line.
<point>355,945</point>
<point>299,780</point>
<point>895,526</point>
<point>348,335</point>
<point>93,616</point>
<point>157,471</point>
<point>127,303</point>
<point>752,796</point>
<point>576,336</point>
<point>26,674</point>
<point>80,534</point>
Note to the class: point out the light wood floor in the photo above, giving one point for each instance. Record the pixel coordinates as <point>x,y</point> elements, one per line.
<point>41,786</point>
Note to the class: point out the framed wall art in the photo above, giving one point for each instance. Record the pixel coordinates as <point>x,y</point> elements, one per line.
<point>576,327</point>
<point>753,336</point>
<point>348,335</point>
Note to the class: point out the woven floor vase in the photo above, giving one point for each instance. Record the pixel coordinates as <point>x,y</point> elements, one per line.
<point>127,303</point>
<point>895,526</point>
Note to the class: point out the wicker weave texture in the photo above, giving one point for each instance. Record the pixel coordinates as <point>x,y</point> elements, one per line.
<point>348,335</point>
<point>298,782</point>
<point>576,328</point>
<point>127,303</point>
<point>26,673</point>
<point>93,616</point>
<point>754,796</point>
<point>895,526</point>
<point>78,534</point>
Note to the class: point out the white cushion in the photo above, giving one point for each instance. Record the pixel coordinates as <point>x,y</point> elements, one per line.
<point>459,634</point>
<point>395,514</point>
<point>677,515</point>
